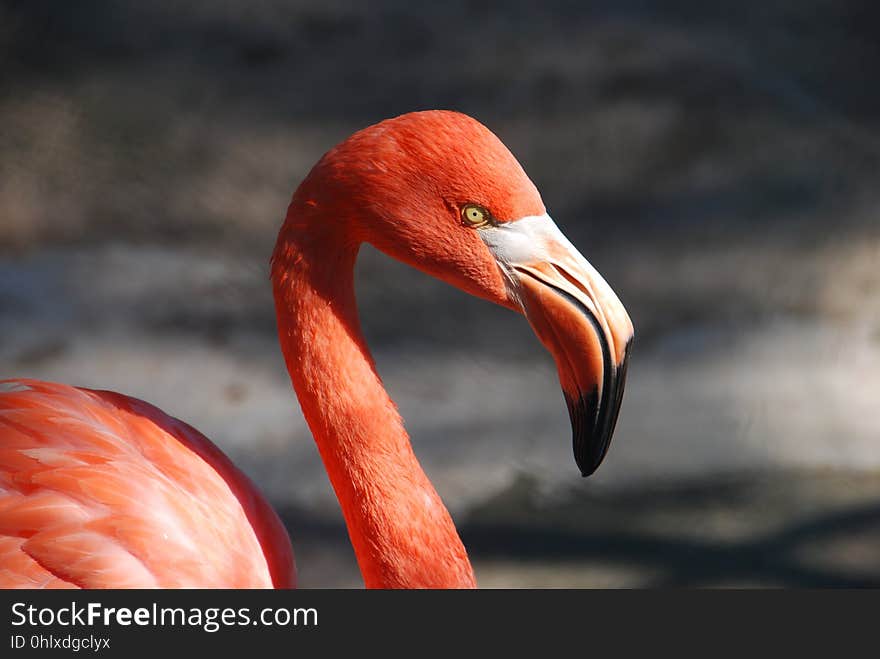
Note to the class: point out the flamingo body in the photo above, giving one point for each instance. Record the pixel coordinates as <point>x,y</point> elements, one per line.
<point>102,490</point>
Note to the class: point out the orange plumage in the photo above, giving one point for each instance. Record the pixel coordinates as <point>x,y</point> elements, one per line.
<point>102,490</point>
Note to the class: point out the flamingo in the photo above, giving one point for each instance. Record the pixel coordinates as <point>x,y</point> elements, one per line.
<point>98,489</point>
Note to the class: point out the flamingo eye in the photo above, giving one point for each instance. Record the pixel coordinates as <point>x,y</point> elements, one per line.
<point>475,216</point>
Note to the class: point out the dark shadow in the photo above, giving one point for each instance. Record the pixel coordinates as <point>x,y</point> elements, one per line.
<point>596,530</point>
<point>619,529</point>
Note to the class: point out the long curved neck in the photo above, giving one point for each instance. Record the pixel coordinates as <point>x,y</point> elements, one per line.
<point>402,534</point>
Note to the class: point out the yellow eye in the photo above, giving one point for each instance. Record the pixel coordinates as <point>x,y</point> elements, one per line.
<point>475,216</point>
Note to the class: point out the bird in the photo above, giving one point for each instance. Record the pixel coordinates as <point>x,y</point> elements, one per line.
<point>102,490</point>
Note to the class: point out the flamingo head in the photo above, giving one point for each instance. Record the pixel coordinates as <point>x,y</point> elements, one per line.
<point>439,191</point>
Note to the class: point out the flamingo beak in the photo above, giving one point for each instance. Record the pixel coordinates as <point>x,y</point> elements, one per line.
<point>579,320</point>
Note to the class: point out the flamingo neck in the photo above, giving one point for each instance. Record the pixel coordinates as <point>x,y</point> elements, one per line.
<point>401,532</point>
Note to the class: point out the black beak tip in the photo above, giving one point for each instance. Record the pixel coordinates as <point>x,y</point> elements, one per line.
<point>591,457</point>
<point>593,419</point>
<point>589,442</point>
<point>589,472</point>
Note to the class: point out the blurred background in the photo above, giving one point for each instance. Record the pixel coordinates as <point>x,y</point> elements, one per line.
<point>717,162</point>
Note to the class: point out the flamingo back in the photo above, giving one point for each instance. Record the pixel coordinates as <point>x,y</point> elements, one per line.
<point>100,490</point>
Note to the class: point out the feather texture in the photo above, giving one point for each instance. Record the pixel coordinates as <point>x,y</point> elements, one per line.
<point>101,490</point>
